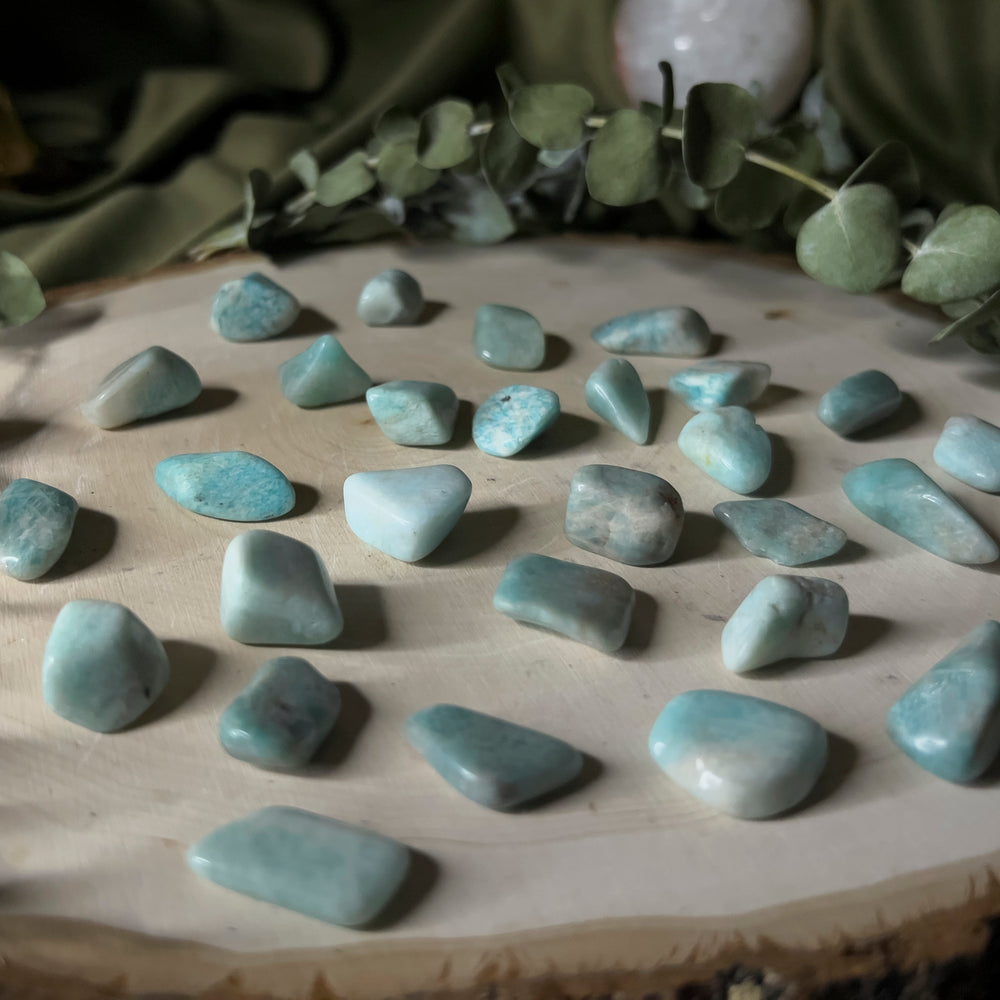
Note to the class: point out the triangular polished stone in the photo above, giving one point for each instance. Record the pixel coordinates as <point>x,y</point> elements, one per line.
<point>674,331</point>
<point>780,531</point>
<point>323,374</point>
<point>614,391</point>
<point>512,418</point>
<point>969,450</point>
<point>392,298</point>
<point>728,444</point>
<point>414,413</point>
<point>509,338</point>
<point>710,384</point>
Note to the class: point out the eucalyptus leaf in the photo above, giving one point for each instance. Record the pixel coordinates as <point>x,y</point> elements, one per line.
<point>510,79</point>
<point>805,202</point>
<point>956,310</point>
<point>508,161</point>
<point>443,139</point>
<point>393,125</point>
<point>667,98</point>
<point>400,173</point>
<point>551,115</point>
<point>367,224</point>
<point>345,181</point>
<point>959,258</point>
<point>720,120</point>
<point>624,163</point>
<point>21,297</point>
<point>480,217</point>
<point>891,165</point>
<point>968,322</point>
<point>853,242</point>
<point>305,166</point>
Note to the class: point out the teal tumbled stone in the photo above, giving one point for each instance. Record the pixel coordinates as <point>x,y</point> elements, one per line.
<point>969,450</point>
<point>675,331</point>
<point>406,513</point>
<point>630,516</point>
<point>509,338</point>
<point>253,308</point>
<point>710,384</point>
<point>229,485</point>
<point>496,763</point>
<point>282,716</point>
<point>323,374</point>
<point>36,521</point>
<point>614,391</point>
<point>276,591</point>
<point>900,496</point>
<point>392,298</point>
<point>949,720</point>
<point>152,382</point>
<point>589,605</point>
<point>728,444</point>
<point>414,413</point>
<point>103,667</point>
<point>780,531</point>
<point>744,756</point>
<point>782,617</point>
<point>859,401</point>
<point>512,418</point>
<point>305,862</point>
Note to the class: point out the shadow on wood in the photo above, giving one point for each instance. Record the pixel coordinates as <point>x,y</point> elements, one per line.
<point>640,633</point>
<point>569,431</point>
<point>779,480</point>
<point>657,407</point>
<point>700,537</point>
<point>432,309</point>
<point>16,432</point>
<point>476,532</point>
<point>190,665</point>
<point>93,538</point>
<point>310,322</point>
<point>907,416</point>
<point>774,396</point>
<point>557,350</point>
<point>423,874</point>
<point>591,770</point>
<point>364,617</point>
<point>355,711</point>
<point>306,498</point>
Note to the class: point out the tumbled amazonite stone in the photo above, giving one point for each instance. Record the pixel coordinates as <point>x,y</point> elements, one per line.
<point>392,298</point>
<point>859,401</point>
<point>614,391</point>
<point>229,485</point>
<point>253,308</point>
<point>323,374</point>
<point>512,418</point>
<point>589,605</point>
<point>275,591</point>
<point>36,521</point>
<point>406,513</point>
<point>949,720</point>
<point>152,382</point>
<point>969,450</point>
<point>103,667</point>
<point>675,331</point>
<point>414,413</point>
<point>630,516</point>
<point>507,337</point>
<point>496,763</point>
<point>304,862</point>
<point>780,531</point>
<point>744,756</point>
<point>282,716</point>
<point>785,616</point>
<point>900,496</point>
<point>728,445</point>
<point>710,384</point>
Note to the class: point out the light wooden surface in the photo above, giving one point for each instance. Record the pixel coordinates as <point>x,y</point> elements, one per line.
<point>94,827</point>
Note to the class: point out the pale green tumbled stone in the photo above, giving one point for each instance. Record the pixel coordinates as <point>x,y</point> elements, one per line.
<point>414,413</point>
<point>36,522</point>
<point>304,862</point>
<point>728,444</point>
<point>392,298</point>
<point>675,331</point>
<point>323,374</point>
<point>780,531</point>
<point>859,401</point>
<point>512,418</point>
<point>710,384</point>
<point>614,391</point>
<point>509,338</point>
<point>969,450</point>
<point>253,308</point>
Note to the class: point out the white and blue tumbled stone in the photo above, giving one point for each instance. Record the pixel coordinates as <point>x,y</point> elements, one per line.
<point>728,444</point>
<point>744,756</point>
<point>391,298</point>
<point>711,384</point>
<point>614,391</point>
<point>229,485</point>
<point>103,667</point>
<point>152,382</point>
<point>969,450</point>
<point>949,720</point>
<point>509,338</point>
<point>496,763</point>
<point>673,331</point>
<point>280,719</point>
<point>253,308</point>
<point>900,496</point>
<point>782,617</point>
<point>36,522</point>
<point>780,531</point>
<point>512,418</point>
<point>323,374</point>
<point>859,401</point>
<point>589,605</point>
<point>630,516</point>
<point>406,513</point>
<point>276,591</point>
<point>305,862</point>
<point>414,413</point>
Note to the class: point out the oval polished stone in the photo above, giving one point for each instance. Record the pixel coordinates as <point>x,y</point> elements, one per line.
<point>969,450</point>
<point>859,402</point>
<point>414,413</point>
<point>674,331</point>
<point>509,338</point>
<point>728,445</point>
<point>152,382</point>
<point>392,298</point>
<point>253,308</point>
<point>36,522</point>
<point>744,756</point>
<point>496,763</point>
<point>229,485</point>
<point>323,374</point>
<point>614,391</point>
<point>900,496</point>
<point>780,531</point>
<point>512,418</point>
<point>711,384</point>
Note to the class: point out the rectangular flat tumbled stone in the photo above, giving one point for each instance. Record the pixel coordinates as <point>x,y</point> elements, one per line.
<point>589,605</point>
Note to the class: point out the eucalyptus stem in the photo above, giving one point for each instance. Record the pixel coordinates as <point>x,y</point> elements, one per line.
<point>752,156</point>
